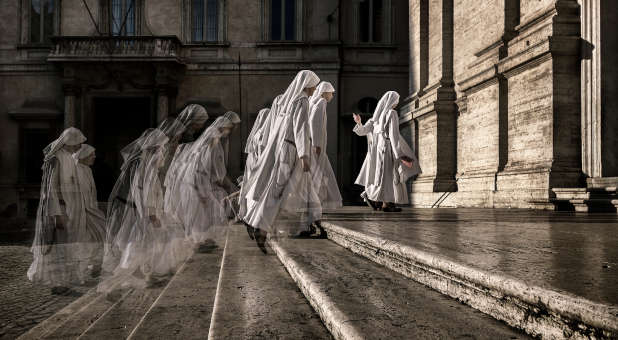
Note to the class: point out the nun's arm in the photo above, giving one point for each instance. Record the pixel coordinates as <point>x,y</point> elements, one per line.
<point>53,190</point>
<point>394,134</point>
<point>316,121</point>
<point>301,130</point>
<point>363,130</point>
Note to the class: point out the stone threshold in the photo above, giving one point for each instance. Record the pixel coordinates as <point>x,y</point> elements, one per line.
<point>539,312</point>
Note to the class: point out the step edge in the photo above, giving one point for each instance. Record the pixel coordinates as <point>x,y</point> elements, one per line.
<point>602,315</point>
<point>332,317</point>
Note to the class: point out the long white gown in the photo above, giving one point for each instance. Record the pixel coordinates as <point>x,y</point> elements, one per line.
<point>55,254</point>
<point>254,147</point>
<point>205,184</point>
<point>91,236</point>
<point>383,174</point>
<point>279,182</point>
<point>323,176</point>
<point>152,246</point>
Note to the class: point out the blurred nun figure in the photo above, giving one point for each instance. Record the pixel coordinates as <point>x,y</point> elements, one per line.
<point>91,235</point>
<point>151,246</point>
<point>193,117</point>
<point>253,149</point>
<point>206,184</point>
<point>281,180</point>
<point>121,208</point>
<point>322,174</point>
<point>59,216</point>
<point>390,161</point>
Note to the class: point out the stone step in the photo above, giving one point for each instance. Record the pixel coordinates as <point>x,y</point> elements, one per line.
<point>257,299</point>
<point>180,308</point>
<point>358,299</point>
<point>539,311</point>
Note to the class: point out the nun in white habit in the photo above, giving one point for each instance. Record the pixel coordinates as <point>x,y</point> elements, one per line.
<point>59,216</point>
<point>152,246</point>
<point>322,173</point>
<point>390,162</point>
<point>206,184</point>
<point>91,235</point>
<point>253,149</point>
<point>121,208</point>
<point>193,117</point>
<point>281,180</point>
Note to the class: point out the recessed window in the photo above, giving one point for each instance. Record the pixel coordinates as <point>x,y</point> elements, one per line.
<point>373,21</point>
<point>205,20</point>
<point>282,20</point>
<point>122,14</point>
<point>42,16</point>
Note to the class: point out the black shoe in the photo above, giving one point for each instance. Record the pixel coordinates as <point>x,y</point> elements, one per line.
<point>60,290</point>
<point>307,233</point>
<point>250,230</point>
<point>323,233</point>
<point>260,240</point>
<point>391,209</point>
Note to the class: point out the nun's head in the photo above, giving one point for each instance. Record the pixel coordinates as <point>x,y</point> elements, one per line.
<point>310,90</point>
<point>71,148</point>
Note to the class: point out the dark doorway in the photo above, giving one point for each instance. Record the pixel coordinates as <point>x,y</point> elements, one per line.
<point>117,122</point>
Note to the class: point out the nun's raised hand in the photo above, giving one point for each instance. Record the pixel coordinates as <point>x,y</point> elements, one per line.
<point>357,119</point>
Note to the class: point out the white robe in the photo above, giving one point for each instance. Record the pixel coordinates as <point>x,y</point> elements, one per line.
<point>323,176</point>
<point>382,174</point>
<point>91,235</point>
<point>55,250</point>
<point>204,215</point>
<point>279,182</point>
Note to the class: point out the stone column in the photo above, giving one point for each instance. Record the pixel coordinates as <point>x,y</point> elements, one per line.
<point>70,112</point>
<point>591,87</point>
<point>162,104</point>
<point>436,114</point>
<point>71,90</point>
<point>598,89</point>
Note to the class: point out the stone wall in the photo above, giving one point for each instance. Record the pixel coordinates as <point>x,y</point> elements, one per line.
<point>512,78</point>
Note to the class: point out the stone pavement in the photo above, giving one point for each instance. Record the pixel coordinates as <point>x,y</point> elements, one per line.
<point>24,304</point>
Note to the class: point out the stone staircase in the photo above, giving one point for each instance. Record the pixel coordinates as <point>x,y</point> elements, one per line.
<point>321,289</point>
<point>596,197</point>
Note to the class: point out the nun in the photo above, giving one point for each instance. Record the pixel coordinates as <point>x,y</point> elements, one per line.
<point>322,174</point>
<point>390,161</point>
<point>193,117</point>
<point>206,184</point>
<point>281,180</point>
<point>121,208</point>
<point>59,217</point>
<point>91,235</point>
<point>253,149</point>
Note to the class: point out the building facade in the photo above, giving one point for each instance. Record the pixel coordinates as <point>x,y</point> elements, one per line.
<point>115,67</point>
<point>513,103</point>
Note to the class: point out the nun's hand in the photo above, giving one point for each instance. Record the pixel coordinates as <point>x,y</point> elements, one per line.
<point>357,119</point>
<point>61,221</point>
<point>305,163</point>
<point>318,150</point>
<point>155,221</point>
<point>407,161</point>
